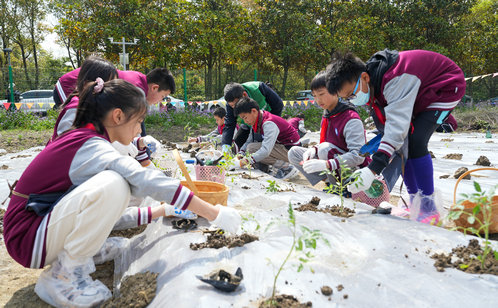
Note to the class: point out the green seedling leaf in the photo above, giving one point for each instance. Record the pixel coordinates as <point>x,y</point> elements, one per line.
<point>477,187</point>
<point>300,268</point>
<point>464,266</point>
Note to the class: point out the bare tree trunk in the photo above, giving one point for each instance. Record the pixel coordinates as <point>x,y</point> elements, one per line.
<point>24,57</point>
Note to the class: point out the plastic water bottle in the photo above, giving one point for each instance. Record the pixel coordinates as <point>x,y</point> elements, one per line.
<point>189,164</point>
<point>488,133</point>
<point>375,190</point>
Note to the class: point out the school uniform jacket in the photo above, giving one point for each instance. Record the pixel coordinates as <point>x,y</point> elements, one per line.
<point>405,84</point>
<point>298,124</point>
<point>72,159</point>
<point>68,113</point>
<point>343,128</point>
<point>266,98</point>
<point>274,129</point>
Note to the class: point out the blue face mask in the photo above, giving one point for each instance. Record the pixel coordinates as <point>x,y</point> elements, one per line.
<point>361,98</point>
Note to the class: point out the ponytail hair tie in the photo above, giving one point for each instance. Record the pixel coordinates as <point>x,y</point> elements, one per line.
<point>99,86</point>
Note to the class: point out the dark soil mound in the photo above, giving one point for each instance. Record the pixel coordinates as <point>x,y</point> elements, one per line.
<point>136,291</point>
<point>456,156</point>
<point>465,259</point>
<point>284,301</point>
<point>128,233</point>
<point>219,239</point>
<point>334,210</point>
<point>483,161</point>
<point>461,171</point>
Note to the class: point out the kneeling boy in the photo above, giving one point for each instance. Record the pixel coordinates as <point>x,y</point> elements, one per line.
<point>278,137</point>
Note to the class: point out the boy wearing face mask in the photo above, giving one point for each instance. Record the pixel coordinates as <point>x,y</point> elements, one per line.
<point>410,93</point>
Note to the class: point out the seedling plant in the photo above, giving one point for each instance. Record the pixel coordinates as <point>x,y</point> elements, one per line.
<point>272,187</point>
<point>483,204</point>
<point>302,246</point>
<point>342,176</point>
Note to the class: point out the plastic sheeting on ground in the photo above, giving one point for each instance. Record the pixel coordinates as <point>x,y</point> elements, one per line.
<point>379,259</point>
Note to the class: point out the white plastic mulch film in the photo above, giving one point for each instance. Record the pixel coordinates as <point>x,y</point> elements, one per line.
<point>379,259</point>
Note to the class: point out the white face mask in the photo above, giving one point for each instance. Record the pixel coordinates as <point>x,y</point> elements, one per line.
<point>127,150</point>
<point>361,97</point>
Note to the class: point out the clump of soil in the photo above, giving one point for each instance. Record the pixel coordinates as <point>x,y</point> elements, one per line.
<point>218,239</point>
<point>483,161</point>
<point>490,141</point>
<point>136,291</point>
<point>444,176</point>
<point>4,167</point>
<point>171,145</point>
<point>432,154</point>
<point>464,258</point>
<point>326,290</point>
<point>456,156</point>
<point>284,301</point>
<point>461,171</point>
<point>128,233</point>
<point>447,140</point>
<point>334,210</point>
<point>187,148</point>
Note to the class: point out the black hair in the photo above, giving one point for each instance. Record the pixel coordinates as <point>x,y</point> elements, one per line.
<point>232,91</point>
<point>163,78</point>
<point>300,115</point>
<point>345,67</point>
<point>92,68</point>
<point>220,112</point>
<point>319,81</point>
<point>245,105</point>
<point>117,93</point>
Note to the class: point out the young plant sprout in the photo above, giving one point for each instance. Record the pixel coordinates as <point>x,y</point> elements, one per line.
<point>342,175</point>
<point>272,187</point>
<point>483,204</point>
<point>302,246</point>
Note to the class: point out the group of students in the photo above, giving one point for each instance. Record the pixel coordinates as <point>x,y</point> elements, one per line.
<point>78,188</point>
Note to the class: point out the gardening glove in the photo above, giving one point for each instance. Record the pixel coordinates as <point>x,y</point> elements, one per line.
<point>226,148</point>
<point>244,162</point>
<point>315,165</point>
<point>364,178</point>
<point>151,143</point>
<point>310,154</point>
<point>126,150</point>
<point>228,219</point>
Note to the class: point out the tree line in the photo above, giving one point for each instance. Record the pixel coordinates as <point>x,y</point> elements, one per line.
<point>226,40</point>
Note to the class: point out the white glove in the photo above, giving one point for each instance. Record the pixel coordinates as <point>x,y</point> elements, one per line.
<point>127,150</point>
<point>151,143</point>
<point>226,148</point>
<point>364,178</point>
<point>315,165</point>
<point>309,154</point>
<point>228,219</point>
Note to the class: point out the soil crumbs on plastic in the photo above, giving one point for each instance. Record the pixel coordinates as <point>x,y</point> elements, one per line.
<point>136,291</point>
<point>128,233</point>
<point>456,156</point>
<point>217,240</point>
<point>464,258</point>
<point>284,301</point>
<point>334,210</point>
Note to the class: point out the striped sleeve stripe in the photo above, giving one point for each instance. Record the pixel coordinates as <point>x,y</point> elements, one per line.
<point>144,215</point>
<point>142,155</point>
<point>386,148</point>
<point>60,91</point>
<point>182,197</point>
<point>334,164</point>
<point>186,204</point>
<point>37,254</point>
<point>443,106</point>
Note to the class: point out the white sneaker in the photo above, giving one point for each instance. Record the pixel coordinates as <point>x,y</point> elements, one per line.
<point>67,283</point>
<point>286,173</point>
<point>112,247</point>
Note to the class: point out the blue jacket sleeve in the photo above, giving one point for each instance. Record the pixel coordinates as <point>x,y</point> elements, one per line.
<point>230,123</point>
<point>272,98</point>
